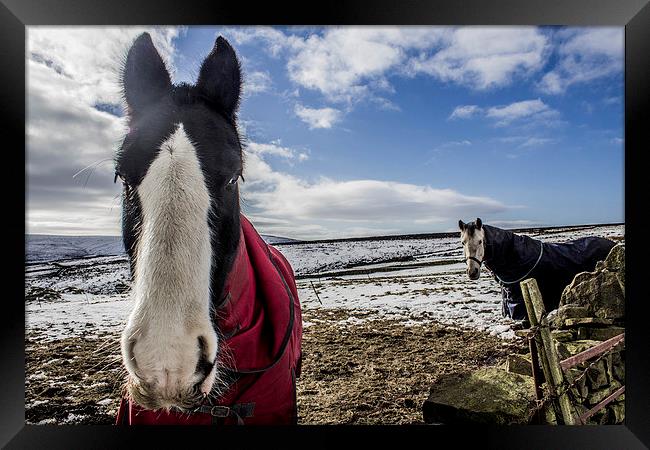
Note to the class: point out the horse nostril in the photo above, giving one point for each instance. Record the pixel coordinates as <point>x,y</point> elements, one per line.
<point>203,365</point>
<point>130,354</point>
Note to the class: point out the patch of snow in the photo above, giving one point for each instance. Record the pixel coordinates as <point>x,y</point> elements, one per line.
<point>48,421</point>
<point>74,418</point>
<point>36,403</point>
<point>412,280</point>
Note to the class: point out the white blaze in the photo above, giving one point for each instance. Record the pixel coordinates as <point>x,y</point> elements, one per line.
<point>172,272</point>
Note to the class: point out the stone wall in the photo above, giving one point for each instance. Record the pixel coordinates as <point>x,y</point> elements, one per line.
<point>592,310</point>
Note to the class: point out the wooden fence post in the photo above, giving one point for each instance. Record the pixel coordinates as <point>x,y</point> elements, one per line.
<point>550,360</point>
<point>537,342</point>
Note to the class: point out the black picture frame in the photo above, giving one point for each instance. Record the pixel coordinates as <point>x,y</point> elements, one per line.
<point>634,15</point>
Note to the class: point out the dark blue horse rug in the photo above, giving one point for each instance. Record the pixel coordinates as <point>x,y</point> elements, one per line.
<point>513,258</point>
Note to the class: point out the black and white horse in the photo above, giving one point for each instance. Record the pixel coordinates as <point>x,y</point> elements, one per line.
<point>512,258</point>
<point>180,164</point>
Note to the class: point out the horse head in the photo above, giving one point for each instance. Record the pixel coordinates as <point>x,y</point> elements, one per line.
<point>179,164</point>
<point>472,236</point>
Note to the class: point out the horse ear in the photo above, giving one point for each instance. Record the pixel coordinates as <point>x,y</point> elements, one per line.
<point>479,224</point>
<point>461,225</point>
<point>145,78</point>
<point>220,76</point>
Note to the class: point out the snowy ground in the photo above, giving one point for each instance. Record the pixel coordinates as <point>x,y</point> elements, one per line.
<point>361,300</point>
<point>413,280</point>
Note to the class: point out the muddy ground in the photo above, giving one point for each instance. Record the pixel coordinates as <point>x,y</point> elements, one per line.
<point>372,372</point>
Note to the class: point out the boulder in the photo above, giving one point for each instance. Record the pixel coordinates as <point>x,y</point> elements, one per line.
<point>520,364</point>
<point>486,396</point>
<point>617,410</point>
<point>563,335</point>
<point>602,334</point>
<point>615,261</point>
<point>580,389</point>
<point>597,396</point>
<point>597,376</point>
<point>601,291</point>
<point>558,316</point>
<point>618,367</point>
<point>567,349</point>
<point>590,321</point>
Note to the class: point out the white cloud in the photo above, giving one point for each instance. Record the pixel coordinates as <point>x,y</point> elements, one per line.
<point>584,55</point>
<point>514,223</point>
<point>344,61</point>
<point>452,144</point>
<point>69,71</point>
<point>536,141</point>
<point>318,117</point>
<point>325,207</point>
<point>531,110</point>
<point>485,57</point>
<point>465,111</point>
<point>275,40</point>
<point>351,64</point>
<point>256,82</point>
<point>92,56</point>
<point>516,146</point>
<point>275,149</point>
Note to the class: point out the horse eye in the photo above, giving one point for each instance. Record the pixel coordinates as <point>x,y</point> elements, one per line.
<point>234,179</point>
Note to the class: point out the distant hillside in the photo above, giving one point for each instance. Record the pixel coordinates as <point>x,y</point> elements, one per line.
<point>278,239</point>
<point>42,248</point>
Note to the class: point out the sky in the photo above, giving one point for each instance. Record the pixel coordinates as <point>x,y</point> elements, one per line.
<point>353,131</point>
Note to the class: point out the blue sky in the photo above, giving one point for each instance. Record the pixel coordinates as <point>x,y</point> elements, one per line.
<point>365,131</point>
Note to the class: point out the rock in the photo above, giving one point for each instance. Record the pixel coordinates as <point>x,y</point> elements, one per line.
<point>520,364</point>
<point>486,396</point>
<point>580,390</point>
<point>602,291</point>
<point>620,277</point>
<point>597,375</point>
<point>602,334</point>
<point>522,333</point>
<point>618,367</point>
<point>590,321</point>
<point>599,395</point>
<point>618,412</point>
<point>567,349</point>
<point>580,409</point>
<point>609,368</point>
<point>601,417</point>
<point>615,261</point>
<point>563,335</point>
<point>549,415</point>
<point>558,316</point>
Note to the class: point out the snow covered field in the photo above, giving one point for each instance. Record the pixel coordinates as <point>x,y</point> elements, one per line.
<point>413,280</point>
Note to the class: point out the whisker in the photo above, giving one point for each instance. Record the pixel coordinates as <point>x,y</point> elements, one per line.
<point>92,165</point>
